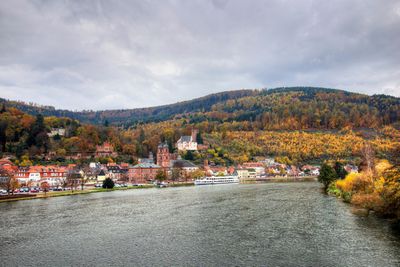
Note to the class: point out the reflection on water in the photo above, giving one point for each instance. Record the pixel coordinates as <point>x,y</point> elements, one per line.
<point>288,224</point>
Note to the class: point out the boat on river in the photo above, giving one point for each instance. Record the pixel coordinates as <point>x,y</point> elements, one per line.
<point>214,180</point>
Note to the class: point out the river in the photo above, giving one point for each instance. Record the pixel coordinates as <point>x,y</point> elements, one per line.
<point>274,224</point>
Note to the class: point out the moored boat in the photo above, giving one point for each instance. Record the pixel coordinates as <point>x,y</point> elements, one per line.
<point>213,180</point>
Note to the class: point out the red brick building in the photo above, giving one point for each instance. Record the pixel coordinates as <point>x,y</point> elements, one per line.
<point>164,158</point>
<point>143,172</point>
<point>106,150</point>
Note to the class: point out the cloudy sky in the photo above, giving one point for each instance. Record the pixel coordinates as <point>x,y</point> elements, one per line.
<point>126,54</point>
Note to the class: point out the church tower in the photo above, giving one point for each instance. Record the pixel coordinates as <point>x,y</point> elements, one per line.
<point>163,155</point>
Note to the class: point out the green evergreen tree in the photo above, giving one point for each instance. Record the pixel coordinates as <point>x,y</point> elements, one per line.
<point>3,135</point>
<point>108,183</point>
<point>340,171</point>
<point>189,155</point>
<point>199,138</point>
<point>327,174</point>
<point>3,108</point>
<point>140,151</point>
<point>38,135</point>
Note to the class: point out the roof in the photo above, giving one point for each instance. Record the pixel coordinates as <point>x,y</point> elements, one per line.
<point>181,163</point>
<point>114,167</point>
<point>165,144</point>
<point>146,165</point>
<point>185,138</point>
<point>6,162</point>
<point>146,160</point>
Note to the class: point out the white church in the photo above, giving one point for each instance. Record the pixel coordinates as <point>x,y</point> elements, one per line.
<point>187,142</point>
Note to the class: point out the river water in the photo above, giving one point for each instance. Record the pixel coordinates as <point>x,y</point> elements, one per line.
<point>280,224</point>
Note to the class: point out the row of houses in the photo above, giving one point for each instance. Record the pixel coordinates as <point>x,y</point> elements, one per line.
<point>147,169</point>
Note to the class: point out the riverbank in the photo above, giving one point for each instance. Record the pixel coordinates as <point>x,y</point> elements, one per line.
<point>17,197</point>
<point>372,190</point>
<point>280,180</point>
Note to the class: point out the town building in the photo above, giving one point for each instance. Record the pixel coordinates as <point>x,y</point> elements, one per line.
<point>8,165</point>
<point>351,168</point>
<point>211,170</point>
<point>163,155</point>
<point>56,131</point>
<point>106,150</point>
<point>242,174</point>
<point>53,175</point>
<point>145,171</point>
<point>256,167</point>
<point>188,142</point>
<point>101,176</point>
<point>185,167</point>
<point>115,171</point>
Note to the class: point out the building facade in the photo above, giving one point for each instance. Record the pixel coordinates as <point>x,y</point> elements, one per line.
<point>106,150</point>
<point>187,142</point>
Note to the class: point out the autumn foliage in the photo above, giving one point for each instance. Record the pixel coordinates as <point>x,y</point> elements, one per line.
<point>377,190</point>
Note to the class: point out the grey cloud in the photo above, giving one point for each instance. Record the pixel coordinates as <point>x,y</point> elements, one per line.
<point>126,54</point>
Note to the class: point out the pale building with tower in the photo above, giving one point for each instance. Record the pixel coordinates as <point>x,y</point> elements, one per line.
<point>188,142</point>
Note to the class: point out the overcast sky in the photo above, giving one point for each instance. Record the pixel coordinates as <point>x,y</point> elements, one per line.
<point>126,54</point>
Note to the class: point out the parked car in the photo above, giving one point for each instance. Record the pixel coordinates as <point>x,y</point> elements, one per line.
<point>2,191</point>
<point>34,190</point>
<point>57,189</point>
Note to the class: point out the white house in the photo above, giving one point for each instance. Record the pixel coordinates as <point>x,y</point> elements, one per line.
<point>315,172</point>
<point>55,131</point>
<point>242,173</point>
<point>187,142</point>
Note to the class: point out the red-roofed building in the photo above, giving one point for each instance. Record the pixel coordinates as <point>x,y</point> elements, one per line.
<point>8,165</point>
<point>54,175</point>
<point>106,150</point>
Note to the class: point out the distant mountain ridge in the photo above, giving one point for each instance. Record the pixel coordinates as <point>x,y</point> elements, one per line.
<point>242,105</point>
<point>120,116</point>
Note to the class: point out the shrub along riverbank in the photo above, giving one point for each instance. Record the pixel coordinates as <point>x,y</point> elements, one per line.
<point>375,188</point>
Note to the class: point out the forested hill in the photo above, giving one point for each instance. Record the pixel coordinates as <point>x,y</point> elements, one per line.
<point>132,116</point>
<point>280,108</point>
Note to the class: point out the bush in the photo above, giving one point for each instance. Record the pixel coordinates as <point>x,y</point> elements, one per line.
<point>369,201</point>
<point>108,183</point>
<point>161,176</point>
<point>327,175</point>
<point>333,190</point>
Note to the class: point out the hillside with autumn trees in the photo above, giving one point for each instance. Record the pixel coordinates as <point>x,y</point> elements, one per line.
<point>273,109</point>
<point>294,125</point>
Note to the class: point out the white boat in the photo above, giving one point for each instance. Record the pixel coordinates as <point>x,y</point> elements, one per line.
<point>217,180</point>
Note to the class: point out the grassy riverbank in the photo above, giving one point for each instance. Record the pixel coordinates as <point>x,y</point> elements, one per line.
<point>71,193</point>
<point>183,184</point>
